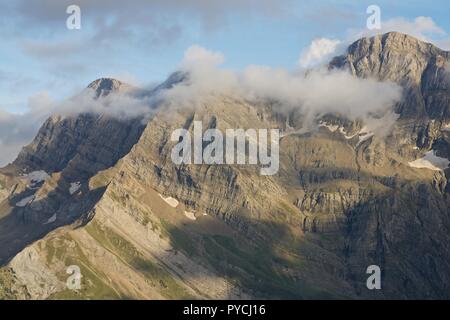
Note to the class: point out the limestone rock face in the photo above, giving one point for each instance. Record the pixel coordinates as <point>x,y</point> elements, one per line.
<point>140,226</point>
<point>86,143</point>
<point>418,66</point>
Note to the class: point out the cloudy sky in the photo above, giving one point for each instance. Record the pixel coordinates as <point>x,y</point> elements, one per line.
<point>142,41</point>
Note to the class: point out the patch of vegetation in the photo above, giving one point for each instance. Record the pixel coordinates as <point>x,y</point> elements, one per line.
<point>181,240</point>
<point>255,268</point>
<point>92,286</point>
<point>93,283</point>
<point>111,241</point>
<point>288,209</point>
<point>101,179</point>
<point>116,198</point>
<point>159,278</point>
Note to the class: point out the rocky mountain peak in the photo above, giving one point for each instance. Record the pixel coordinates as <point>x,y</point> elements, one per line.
<point>105,86</point>
<point>74,139</point>
<point>394,41</point>
<point>419,67</point>
<point>174,79</point>
<point>392,56</point>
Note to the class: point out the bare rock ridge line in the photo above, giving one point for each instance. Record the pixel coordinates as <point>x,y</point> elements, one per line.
<point>112,202</point>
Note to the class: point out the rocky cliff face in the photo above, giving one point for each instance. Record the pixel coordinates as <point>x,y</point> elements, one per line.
<point>85,143</point>
<point>139,226</point>
<point>419,67</point>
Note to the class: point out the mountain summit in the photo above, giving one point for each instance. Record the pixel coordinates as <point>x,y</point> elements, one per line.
<point>421,68</point>
<point>105,86</point>
<point>104,194</point>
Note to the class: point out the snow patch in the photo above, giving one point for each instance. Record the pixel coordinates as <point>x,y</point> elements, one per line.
<point>190,215</point>
<point>25,201</point>
<point>170,201</point>
<point>288,126</point>
<point>51,220</point>
<point>364,135</point>
<point>430,161</point>
<point>334,128</point>
<point>35,177</point>
<point>74,187</point>
<point>331,127</point>
<point>347,136</point>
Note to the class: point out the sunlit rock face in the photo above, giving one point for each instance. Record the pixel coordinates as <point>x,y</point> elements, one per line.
<point>140,226</point>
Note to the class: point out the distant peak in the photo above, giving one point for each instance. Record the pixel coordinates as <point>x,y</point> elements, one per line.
<point>174,79</point>
<point>394,56</point>
<point>392,36</point>
<point>105,86</point>
<point>397,35</point>
<point>395,40</point>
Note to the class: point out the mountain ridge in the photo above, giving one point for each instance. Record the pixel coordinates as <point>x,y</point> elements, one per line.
<point>338,204</point>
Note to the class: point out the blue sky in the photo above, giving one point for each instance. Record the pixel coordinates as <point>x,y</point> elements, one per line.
<point>143,41</point>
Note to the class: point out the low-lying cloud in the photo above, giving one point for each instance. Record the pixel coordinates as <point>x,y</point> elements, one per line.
<point>18,129</point>
<point>314,93</point>
<point>319,52</point>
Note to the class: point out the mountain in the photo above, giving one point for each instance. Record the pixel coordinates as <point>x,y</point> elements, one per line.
<point>103,194</point>
<point>105,86</point>
<point>80,141</point>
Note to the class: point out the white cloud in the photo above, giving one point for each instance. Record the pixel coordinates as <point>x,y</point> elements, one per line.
<point>423,28</point>
<point>205,77</point>
<point>121,105</point>
<point>420,27</point>
<point>127,77</point>
<point>320,51</point>
<point>198,57</point>
<point>18,130</point>
<point>9,151</point>
<point>319,92</point>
